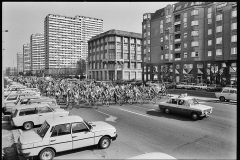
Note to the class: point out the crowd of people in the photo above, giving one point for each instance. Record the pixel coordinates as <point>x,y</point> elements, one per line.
<point>77,92</point>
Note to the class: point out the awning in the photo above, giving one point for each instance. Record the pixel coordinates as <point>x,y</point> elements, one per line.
<point>199,71</point>
<point>176,71</point>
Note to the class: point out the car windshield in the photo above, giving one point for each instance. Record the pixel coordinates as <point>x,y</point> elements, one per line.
<point>15,113</point>
<point>43,129</point>
<point>192,101</point>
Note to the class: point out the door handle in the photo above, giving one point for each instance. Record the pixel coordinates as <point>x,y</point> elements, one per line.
<point>40,115</point>
<point>74,136</point>
<point>53,140</point>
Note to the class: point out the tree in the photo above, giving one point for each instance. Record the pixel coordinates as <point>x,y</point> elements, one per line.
<point>81,65</point>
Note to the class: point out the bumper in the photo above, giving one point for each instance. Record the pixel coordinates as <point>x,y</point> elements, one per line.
<point>114,138</point>
<point>22,152</point>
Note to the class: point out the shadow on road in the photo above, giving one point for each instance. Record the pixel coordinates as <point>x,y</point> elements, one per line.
<point>170,116</point>
<point>218,101</point>
<point>95,147</point>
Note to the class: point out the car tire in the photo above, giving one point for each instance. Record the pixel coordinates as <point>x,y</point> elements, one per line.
<point>27,125</point>
<point>195,116</point>
<point>104,142</point>
<point>166,111</point>
<point>222,99</point>
<point>46,154</point>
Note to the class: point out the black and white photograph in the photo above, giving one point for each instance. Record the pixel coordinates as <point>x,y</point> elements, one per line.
<point>119,80</point>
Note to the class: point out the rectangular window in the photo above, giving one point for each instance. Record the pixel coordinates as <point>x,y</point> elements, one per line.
<point>209,53</point>
<point>161,57</point>
<point>161,39</point>
<point>194,54</point>
<point>161,26</point>
<point>194,23</point>
<point>209,15</point>
<point>234,50</point>
<point>168,19</point>
<point>144,26</point>
<point>184,25</point>
<point>185,14</point>
<point>234,26</point>
<point>209,21</point>
<point>219,52</point>
<point>194,43</point>
<point>234,38</point>
<point>209,10</point>
<point>161,30</point>
<point>161,22</point>
<point>148,41</point>
<point>194,33</point>
<point>166,56</point>
<point>194,12</point>
<point>148,33</point>
<point>234,13</point>
<point>184,20</point>
<point>219,29</point>
<point>219,17</point>
<point>219,40</point>
<point>185,55</point>
<point>209,31</point>
<point>209,42</point>
<point>199,65</point>
<point>185,35</point>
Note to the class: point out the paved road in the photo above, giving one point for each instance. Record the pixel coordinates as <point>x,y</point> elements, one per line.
<point>200,93</point>
<point>143,129</point>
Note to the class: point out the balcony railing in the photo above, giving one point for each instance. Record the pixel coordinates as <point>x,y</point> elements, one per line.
<point>177,59</point>
<point>178,40</point>
<point>177,22</point>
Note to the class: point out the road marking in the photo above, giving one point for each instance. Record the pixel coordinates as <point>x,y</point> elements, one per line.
<point>135,113</point>
<point>139,107</point>
<point>110,118</point>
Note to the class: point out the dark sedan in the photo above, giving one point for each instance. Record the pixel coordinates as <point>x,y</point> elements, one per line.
<point>214,88</point>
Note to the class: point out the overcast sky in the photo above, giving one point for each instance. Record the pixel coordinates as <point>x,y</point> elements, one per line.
<point>22,19</point>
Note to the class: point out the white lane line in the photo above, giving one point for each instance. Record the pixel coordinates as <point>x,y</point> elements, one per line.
<point>105,113</point>
<point>135,113</point>
<point>139,107</point>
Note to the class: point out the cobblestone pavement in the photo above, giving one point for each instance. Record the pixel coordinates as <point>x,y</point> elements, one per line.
<point>9,151</point>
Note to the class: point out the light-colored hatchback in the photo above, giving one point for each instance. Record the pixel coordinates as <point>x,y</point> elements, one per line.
<point>30,115</point>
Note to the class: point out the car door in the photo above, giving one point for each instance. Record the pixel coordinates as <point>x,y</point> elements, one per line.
<point>173,106</point>
<point>180,106</point>
<point>28,114</point>
<point>44,113</point>
<point>61,138</point>
<point>233,95</point>
<point>81,135</point>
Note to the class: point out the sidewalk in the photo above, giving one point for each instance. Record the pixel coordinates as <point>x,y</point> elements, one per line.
<point>199,98</point>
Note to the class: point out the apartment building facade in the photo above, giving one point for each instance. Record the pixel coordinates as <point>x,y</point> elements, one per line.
<point>193,42</point>
<point>37,53</point>
<point>19,62</point>
<point>26,58</point>
<point>66,41</point>
<point>115,55</point>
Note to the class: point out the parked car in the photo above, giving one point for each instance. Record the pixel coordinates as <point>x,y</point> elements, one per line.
<point>231,86</point>
<point>227,94</point>
<point>31,92</point>
<point>30,115</point>
<point>12,98</point>
<point>10,107</point>
<point>200,86</point>
<point>169,85</point>
<point>181,85</point>
<point>185,105</point>
<point>214,87</point>
<point>190,86</point>
<point>65,133</point>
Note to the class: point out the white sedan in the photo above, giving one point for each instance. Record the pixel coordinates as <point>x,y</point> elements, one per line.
<point>181,85</point>
<point>200,86</point>
<point>62,134</point>
<point>227,94</point>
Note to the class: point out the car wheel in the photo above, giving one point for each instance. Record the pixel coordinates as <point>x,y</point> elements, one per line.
<point>195,116</point>
<point>46,154</point>
<point>27,125</point>
<point>222,99</point>
<point>166,111</point>
<point>104,142</point>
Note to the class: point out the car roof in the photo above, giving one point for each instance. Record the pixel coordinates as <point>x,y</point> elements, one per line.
<point>230,88</point>
<point>66,119</point>
<point>32,106</point>
<point>26,97</point>
<point>43,99</point>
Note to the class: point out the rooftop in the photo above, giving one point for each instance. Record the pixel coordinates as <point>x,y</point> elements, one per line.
<point>118,32</point>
